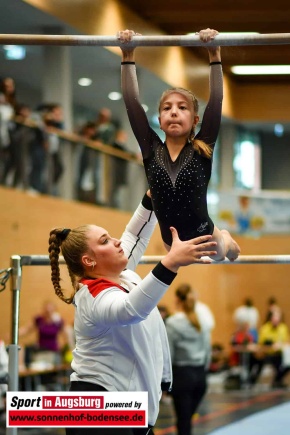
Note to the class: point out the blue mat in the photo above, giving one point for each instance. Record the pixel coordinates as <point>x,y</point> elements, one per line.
<point>274,421</point>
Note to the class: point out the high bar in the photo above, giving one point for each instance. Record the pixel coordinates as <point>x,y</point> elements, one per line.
<point>147,41</point>
<point>43,260</point>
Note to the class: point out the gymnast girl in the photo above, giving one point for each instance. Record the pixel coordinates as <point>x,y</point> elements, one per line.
<point>178,171</point>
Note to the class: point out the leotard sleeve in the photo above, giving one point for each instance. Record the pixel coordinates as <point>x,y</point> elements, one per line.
<point>212,115</point>
<point>137,116</point>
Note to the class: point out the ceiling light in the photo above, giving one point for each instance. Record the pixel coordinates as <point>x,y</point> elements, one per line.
<point>260,69</point>
<point>115,96</point>
<point>278,130</point>
<point>85,81</point>
<point>14,52</point>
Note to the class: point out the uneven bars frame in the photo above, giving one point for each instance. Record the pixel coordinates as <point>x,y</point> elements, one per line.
<point>18,261</point>
<point>233,39</point>
<point>43,260</point>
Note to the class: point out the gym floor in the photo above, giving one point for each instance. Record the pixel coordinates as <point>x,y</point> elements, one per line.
<point>217,410</point>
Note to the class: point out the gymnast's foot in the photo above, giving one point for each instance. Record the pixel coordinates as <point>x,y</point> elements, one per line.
<point>234,251</point>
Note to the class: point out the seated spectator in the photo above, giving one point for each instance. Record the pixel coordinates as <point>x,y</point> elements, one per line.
<point>219,359</point>
<point>272,306</point>
<point>69,346</point>
<point>272,336</point>
<point>240,340</point>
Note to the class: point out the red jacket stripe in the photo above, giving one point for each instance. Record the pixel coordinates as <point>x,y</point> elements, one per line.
<point>96,286</point>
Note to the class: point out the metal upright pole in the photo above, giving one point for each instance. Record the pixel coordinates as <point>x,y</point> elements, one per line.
<point>13,349</point>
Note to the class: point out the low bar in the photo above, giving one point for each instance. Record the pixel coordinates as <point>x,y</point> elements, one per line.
<point>43,260</point>
<point>233,39</point>
<point>242,259</point>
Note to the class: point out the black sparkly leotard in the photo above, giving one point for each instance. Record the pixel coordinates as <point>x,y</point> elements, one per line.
<point>178,188</point>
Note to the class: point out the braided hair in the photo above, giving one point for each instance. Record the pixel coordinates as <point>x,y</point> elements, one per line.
<point>72,244</point>
<point>184,294</point>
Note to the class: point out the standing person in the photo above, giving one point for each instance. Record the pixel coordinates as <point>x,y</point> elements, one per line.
<point>190,348</point>
<point>119,170</point>
<point>86,181</point>
<point>17,151</point>
<point>249,314</point>
<point>27,153</point>
<point>53,117</point>
<point>121,342</point>
<point>48,324</point>
<point>178,170</point>
<point>105,132</point>
<point>38,158</point>
<point>51,336</point>
<point>7,105</point>
<point>105,128</point>
<point>203,312</point>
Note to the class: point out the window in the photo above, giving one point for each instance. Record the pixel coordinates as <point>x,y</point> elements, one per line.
<point>247,161</point>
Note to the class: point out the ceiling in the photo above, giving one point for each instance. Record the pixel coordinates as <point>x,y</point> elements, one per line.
<point>172,17</point>
<point>262,16</point>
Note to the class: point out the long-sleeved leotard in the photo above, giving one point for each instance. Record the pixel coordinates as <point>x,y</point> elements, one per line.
<point>178,188</point>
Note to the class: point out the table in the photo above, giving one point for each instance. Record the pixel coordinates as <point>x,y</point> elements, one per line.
<point>31,379</point>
